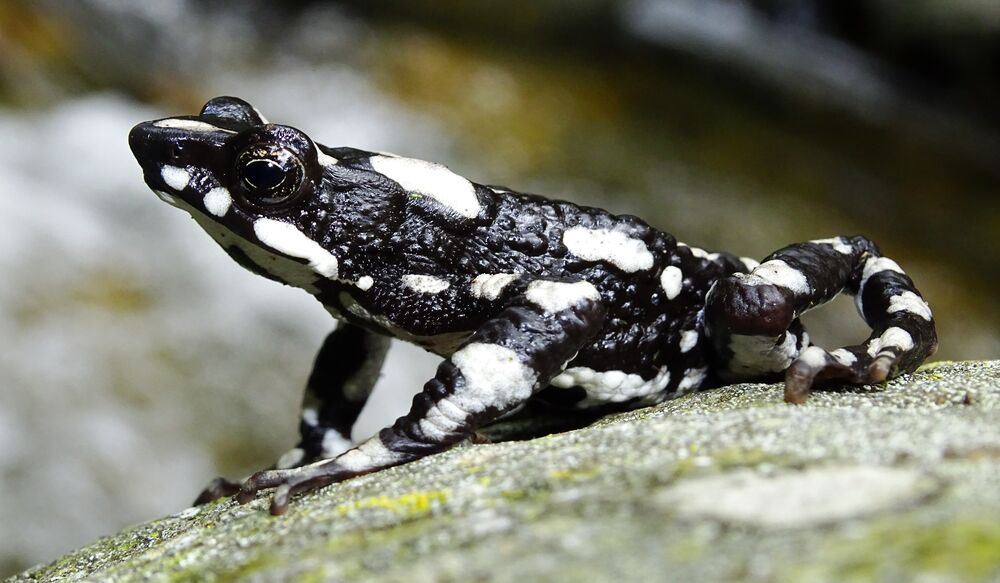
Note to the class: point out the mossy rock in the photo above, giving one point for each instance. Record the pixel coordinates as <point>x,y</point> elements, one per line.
<point>893,483</point>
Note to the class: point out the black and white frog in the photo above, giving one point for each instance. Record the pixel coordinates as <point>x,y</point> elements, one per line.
<point>527,299</point>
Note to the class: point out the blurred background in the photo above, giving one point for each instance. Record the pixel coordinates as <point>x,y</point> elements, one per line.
<point>137,361</point>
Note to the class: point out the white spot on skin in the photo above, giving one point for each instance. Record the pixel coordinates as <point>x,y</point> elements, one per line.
<point>371,454</point>
<point>175,177</point>
<point>334,444</point>
<point>611,386</point>
<point>574,377</point>
<point>910,302</point>
<point>494,377</point>
<point>491,285</point>
<point>290,458</point>
<point>431,180</point>
<point>365,282</point>
<point>617,248</point>
<point>698,252</point>
<point>814,357</point>
<point>218,200</point>
<point>750,263</point>
<point>877,265</point>
<point>689,339</point>
<point>326,159</point>
<point>844,357</point>
<point>441,420</point>
<point>556,296</point>
<point>892,338</point>
<point>190,125</point>
<point>702,254</point>
<point>754,355</point>
<point>838,243</point>
<point>310,416</point>
<point>285,238</point>
<point>450,410</point>
<point>284,269</point>
<point>692,379</point>
<point>873,266</point>
<point>779,273</point>
<point>425,284</point>
<point>671,280</point>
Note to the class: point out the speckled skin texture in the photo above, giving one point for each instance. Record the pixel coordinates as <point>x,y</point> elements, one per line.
<point>514,290</point>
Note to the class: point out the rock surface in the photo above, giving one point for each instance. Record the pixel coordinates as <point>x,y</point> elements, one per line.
<point>895,483</point>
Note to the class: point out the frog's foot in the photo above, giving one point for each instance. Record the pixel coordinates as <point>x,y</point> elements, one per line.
<point>287,483</point>
<point>374,454</point>
<point>903,340</point>
<point>852,364</point>
<point>221,487</point>
<point>217,488</point>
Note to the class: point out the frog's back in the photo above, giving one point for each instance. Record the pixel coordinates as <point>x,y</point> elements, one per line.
<point>651,345</point>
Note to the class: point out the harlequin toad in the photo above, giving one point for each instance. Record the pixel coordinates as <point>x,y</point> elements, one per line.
<point>526,299</point>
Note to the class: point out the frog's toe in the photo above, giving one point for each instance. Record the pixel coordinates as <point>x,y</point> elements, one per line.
<point>279,502</point>
<point>217,488</point>
<point>812,365</point>
<point>302,484</point>
<point>288,482</point>
<point>880,368</point>
<point>262,481</point>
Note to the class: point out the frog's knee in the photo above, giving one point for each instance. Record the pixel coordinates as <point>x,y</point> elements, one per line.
<point>751,324</point>
<point>747,305</point>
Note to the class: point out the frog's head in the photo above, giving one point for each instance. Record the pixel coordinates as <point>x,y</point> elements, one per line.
<point>226,154</point>
<point>254,186</point>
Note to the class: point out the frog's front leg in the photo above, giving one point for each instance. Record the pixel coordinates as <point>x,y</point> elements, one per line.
<point>752,319</point>
<point>344,373</point>
<point>498,369</point>
<point>343,376</point>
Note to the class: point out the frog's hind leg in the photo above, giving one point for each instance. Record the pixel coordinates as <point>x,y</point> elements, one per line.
<point>342,378</point>
<point>506,361</point>
<point>752,319</point>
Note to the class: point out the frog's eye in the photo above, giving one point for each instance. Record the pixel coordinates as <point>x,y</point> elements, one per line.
<point>269,176</point>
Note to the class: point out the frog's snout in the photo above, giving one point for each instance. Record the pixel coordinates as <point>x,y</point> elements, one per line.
<point>149,151</point>
<point>138,137</point>
<point>153,147</point>
<point>179,143</point>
